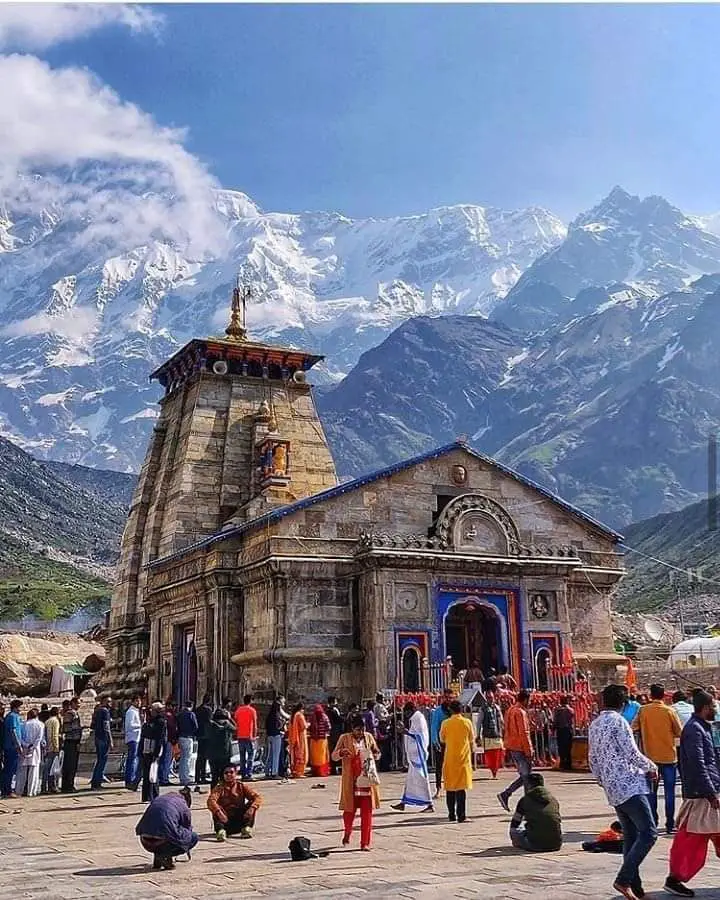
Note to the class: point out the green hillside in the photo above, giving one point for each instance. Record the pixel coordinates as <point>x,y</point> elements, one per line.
<point>50,510</point>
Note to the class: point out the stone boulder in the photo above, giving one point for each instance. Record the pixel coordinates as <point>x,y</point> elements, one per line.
<point>26,660</point>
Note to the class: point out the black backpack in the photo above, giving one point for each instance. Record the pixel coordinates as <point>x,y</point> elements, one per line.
<point>300,849</point>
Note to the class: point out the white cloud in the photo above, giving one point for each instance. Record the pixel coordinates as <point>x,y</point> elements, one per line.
<point>74,325</point>
<point>35,26</point>
<point>104,162</point>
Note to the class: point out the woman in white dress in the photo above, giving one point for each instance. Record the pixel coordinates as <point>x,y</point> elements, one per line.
<point>28,773</point>
<point>417,780</point>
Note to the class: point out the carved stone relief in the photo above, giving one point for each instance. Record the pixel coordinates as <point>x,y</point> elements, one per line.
<point>475,523</point>
<point>411,600</point>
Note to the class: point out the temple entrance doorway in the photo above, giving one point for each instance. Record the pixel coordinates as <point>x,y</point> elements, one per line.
<point>472,633</point>
<point>543,662</point>
<point>186,673</point>
<point>410,670</point>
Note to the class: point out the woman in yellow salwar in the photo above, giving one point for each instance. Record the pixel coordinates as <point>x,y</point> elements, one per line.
<point>298,742</point>
<point>458,737</point>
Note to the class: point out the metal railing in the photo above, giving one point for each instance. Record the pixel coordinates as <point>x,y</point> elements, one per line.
<point>435,677</point>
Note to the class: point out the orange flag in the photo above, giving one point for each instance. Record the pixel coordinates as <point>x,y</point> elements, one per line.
<point>630,676</point>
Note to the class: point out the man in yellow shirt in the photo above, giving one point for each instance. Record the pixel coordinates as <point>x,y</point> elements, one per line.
<point>659,727</point>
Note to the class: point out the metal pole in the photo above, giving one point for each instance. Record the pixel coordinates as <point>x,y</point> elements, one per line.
<point>678,600</point>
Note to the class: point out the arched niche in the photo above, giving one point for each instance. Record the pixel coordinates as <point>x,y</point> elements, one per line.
<point>473,523</point>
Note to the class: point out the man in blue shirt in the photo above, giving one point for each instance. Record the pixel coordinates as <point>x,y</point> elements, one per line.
<point>439,714</point>
<point>630,709</point>
<point>12,744</point>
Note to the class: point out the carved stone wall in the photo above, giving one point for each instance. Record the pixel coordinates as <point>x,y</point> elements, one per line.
<point>198,471</point>
<point>589,618</point>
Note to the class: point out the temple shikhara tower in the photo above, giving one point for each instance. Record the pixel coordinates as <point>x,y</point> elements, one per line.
<point>246,566</point>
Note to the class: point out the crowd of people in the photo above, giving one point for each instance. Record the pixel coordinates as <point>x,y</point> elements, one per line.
<point>635,742</point>
<point>327,741</point>
<point>30,757</point>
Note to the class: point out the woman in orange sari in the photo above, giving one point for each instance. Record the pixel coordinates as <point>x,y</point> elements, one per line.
<point>298,742</point>
<point>318,730</point>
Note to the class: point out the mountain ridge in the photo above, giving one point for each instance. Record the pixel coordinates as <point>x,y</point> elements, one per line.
<point>85,326</point>
<point>604,325</point>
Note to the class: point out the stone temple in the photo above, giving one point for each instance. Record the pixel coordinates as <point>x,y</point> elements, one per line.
<point>247,566</point>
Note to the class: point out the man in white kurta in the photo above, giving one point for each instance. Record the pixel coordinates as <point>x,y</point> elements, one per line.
<point>28,772</point>
<point>417,780</point>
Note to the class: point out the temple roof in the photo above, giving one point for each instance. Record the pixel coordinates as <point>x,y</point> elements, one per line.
<point>241,350</point>
<point>348,486</point>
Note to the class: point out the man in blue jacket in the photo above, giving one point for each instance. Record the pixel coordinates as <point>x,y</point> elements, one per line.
<point>165,829</point>
<point>699,818</point>
<point>12,745</point>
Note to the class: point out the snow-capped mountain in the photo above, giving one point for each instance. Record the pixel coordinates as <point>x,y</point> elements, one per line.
<point>611,410</point>
<point>645,243</point>
<point>583,325</point>
<point>85,321</point>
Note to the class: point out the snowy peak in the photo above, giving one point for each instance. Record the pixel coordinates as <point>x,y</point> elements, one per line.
<point>621,210</point>
<point>87,311</point>
<point>644,243</point>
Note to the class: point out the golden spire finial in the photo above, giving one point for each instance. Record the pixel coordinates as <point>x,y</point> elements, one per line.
<point>236,330</point>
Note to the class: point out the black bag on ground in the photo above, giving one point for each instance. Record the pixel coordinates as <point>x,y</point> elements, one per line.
<point>300,849</point>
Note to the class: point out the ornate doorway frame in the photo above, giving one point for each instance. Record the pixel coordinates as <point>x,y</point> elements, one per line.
<point>502,600</point>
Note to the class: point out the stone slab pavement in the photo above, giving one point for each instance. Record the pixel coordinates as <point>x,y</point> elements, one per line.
<point>84,846</point>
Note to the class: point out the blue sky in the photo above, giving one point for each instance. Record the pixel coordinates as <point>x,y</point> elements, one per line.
<point>383,109</point>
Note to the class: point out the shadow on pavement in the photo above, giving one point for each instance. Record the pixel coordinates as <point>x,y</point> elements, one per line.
<point>140,869</point>
<point>494,852</point>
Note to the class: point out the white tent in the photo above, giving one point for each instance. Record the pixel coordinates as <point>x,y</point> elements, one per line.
<point>695,653</point>
<point>62,681</point>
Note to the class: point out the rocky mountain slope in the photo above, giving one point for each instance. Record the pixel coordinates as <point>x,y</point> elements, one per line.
<point>423,386</point>
<point>688,539</point>
<point>58,540</point>
<point>612,410</point>
<point>85,321</point>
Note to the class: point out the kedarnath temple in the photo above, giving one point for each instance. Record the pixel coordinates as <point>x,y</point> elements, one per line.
<point>247,567</point>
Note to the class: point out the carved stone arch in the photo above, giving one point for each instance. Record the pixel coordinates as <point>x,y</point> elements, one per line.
<point>474,523</point>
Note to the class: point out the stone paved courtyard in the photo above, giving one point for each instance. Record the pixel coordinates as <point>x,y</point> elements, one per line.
<point>68,848</point>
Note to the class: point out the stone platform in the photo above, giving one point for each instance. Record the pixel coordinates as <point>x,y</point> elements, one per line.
<point>69,848</point>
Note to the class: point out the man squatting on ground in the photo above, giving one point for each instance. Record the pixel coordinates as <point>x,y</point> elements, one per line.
<point>234,805</point>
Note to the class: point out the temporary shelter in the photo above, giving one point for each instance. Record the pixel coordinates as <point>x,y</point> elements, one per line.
<point>62,683</point>
<point>695,653</point>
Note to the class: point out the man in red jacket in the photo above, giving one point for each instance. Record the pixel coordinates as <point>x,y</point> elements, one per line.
<point>517,742</point>
<point>246,733</point>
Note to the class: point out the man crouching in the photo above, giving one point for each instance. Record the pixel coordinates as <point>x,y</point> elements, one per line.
<point>165,829</point>
<point>233,805</point>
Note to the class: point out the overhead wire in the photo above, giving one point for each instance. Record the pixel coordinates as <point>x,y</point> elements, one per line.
<point>668,565</point>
